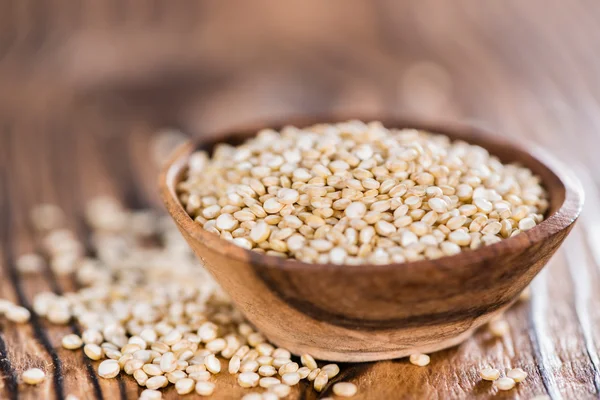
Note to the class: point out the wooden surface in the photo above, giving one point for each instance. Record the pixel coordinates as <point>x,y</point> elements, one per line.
<point>85,84</point>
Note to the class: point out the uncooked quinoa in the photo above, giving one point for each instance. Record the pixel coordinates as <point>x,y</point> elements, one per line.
<point>354,192</point>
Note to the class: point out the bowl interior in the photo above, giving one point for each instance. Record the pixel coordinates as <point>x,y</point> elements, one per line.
<point>565,193</point>
<point>506,151</point>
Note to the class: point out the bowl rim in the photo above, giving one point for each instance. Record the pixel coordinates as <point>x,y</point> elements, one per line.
<point>562,218</point>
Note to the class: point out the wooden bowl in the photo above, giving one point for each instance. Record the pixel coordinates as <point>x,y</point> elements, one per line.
<point>375,312</point>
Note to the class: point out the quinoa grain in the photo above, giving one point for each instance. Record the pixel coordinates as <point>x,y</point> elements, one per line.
<point>33,376</point>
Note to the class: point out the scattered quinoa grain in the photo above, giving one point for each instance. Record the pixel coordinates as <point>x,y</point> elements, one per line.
<point>213,364</point>
<point>30,263</point>
<point>267,370</point>
<point>419,359</point>
<point>499,327</point>
<point>504,384</point>
<point>281,390</point>
<point>205,388</point>
<point>33,376</point>
<point>184,386</point>
<point>489,374</point>
<point>109,369</point>
<point>517,375</point>
<point>150,394</point>
<point>303,372</point>
<point>288,367</point>
<point>252,396</point>
<point>344,389</point>
<point>157,382</point>
<point>313,374</point>
<point>267,382</point>
<point>17,314</point>
<point>290,378</point>
<point>320,381</point>
<point>71,342</point>
<point>308,361</point>
<point>248,379</point>
<point>93,351</point>
<point>331,370</point>
<point>234,364</point>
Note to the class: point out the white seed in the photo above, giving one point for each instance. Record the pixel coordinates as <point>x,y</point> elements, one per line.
<point>260,232</point>
<point>438,205</point>
<point>213,365</point>
<point>200,376</point>
<point>287,196</point>
<point>152,369</point>
<point>71,342</point>
<point>504,384</point>
<point>332,370</point>
<point>313,374</point>
<point>272,206</point>
<point>264,360</point>
<point>92,336</point>
<point>279,362</point>
<point>308,361</point>
<point>303,372</point>
<point>17,314</point>
<point>267,382</point>
<point>489,374</point>
<point>267,370</point>
<point>30,263</point>
<point>419,359</point>
<point>320,381</point>
<point>156,382</point>
<point>205,388</point>
<point>288,367</point>
<point>109,369</point>
<point>140,377</point>
<point>517,375</point>
<point>149,335</point>
<point>226,222</point>
<point>168,363</point>
<point>252,396</point>
<point>150,394</point>
<point>207,332</point>
<point>130,366</point>
<point>290,378</point>
<point>281,390</point>
<point>172,337</point>
<point>248,379</point>
<point>93,351</point>
<point>460,238</point>
<point>356,210</point>
<point>184,386</point>
<point>499,327</point>
<point>249,366</point>
<point>216,345</point>
<point>234,364</point>
<point>344,389</point>
<point>33,376</point>
<point>526,224</point>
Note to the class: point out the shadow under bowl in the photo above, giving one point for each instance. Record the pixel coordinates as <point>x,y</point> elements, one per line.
<point>375,312</point>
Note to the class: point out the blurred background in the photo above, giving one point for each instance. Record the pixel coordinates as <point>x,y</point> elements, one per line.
<point>117,70</point>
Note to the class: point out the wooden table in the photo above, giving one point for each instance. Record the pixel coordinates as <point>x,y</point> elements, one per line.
<point>84,85</point>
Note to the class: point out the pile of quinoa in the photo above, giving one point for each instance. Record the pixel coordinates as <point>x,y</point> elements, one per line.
<point>354,192</point>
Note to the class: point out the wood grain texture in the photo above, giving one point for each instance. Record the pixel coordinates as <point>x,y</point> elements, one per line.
<point>86,83</point>
<point>369,312</point>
